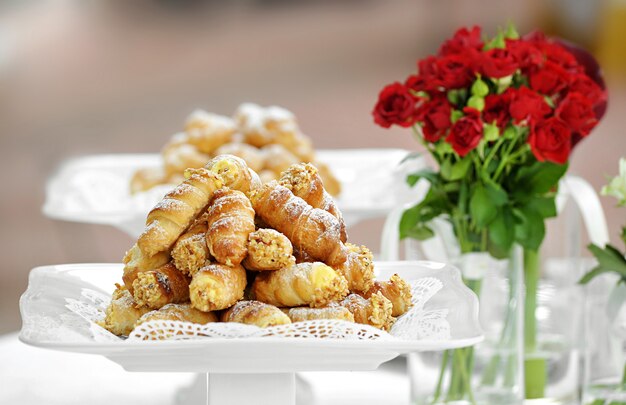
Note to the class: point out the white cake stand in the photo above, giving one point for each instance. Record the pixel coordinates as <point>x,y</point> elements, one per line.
<point>95,189</point>
<point>259,370</point>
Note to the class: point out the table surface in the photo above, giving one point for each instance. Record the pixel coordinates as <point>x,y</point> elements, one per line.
<point>30,375</point>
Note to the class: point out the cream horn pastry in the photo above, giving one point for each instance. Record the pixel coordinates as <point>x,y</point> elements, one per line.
<point>216,286</point>
<point>312,284</point>
<point>230,220</point>
<point>268,249</point>
<point>190,252</point>
<point>178,312</point>
<point>135,262</point>
<point>260,125</point>
<point>312,230</point>
<point>374,311</point>
<point>234,173</point>
<point>296,143</point>
<point>164,285</point>
<point>330,312</point>
<point>178,154</point>
<point>302,256</point>
<point>122,313</point>
<point>358,269</point>
<point>253,157</point>
<point>331,183</point>
<point>304,181</point>
<point>208,131</point>
<point>255,313</point>
<point>146,178</point>
<point>395,290</point>
<point>277,159</point>
<point>178,209</point>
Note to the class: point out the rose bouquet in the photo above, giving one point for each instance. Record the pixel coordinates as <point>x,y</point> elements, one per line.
<point>500,117</point>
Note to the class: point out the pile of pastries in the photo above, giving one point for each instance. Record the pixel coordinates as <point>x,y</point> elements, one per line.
<point>224,247</point>
<point>267,138</point>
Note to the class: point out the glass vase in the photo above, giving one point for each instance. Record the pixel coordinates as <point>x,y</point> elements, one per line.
<point>490,372</point>
<point>605,343</point>
<point>554,303</point>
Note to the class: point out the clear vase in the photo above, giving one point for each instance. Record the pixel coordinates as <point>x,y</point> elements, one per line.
<point>553,326</point>
<point>490,372</point>
<point>605,343</point>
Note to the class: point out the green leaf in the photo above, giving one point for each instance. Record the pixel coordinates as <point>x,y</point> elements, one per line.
<point>460,168</point>
<point>496,193</point>
<point>446,169</point>
<point>430,207</point>
<point>593,273</point>
<point>623,235</point>
<point>408,220</point>
<point>545,206</point>
<point>410,156</point>
<point>482,209</point>
<point>501,229</point>
<point>538,179</point>
<point>529,228</point>
<point>420,232</point>
<point>443,148</point>
<point>427,174</point>
<point>610,260</point>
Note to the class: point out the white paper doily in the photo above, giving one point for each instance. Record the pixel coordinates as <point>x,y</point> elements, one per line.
<point>417,323</point>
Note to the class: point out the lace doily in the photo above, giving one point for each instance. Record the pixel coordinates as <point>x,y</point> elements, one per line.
<point>419,323</point>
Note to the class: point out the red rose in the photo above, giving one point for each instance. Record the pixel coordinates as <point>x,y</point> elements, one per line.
<point>497,63</point>
<point>526,54</point>
<point>429,72</point>
<point>551,141</point>
<point>581,83</point>
<point>415,83</point>
<point>553,51</point>
<point>435,118</point>
<point>395,105</point>
<point>467,132</point>
<point>528,105</point>
<point>455,71</point>
<point>497,108</point>
<point>462,40</point>
<point>577,112</point>
<point>550,79</point>
<point>561,56</point>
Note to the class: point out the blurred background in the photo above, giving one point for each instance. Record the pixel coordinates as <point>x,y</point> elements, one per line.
<point>111,76</point>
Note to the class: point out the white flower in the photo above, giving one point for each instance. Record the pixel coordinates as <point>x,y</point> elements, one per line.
<point>617,186</point>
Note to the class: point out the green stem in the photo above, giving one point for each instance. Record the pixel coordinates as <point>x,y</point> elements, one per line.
<point>442,372</point>
<point>534,366</point>
<point>531,279</point>
<point>504,161</point>
<point>624,377</point>
<point>492,153</point>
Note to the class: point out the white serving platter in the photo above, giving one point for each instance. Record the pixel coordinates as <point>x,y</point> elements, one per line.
<point>95,189</point>
<point>49,322</point>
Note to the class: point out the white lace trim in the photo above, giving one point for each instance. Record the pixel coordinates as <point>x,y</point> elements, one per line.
<point>419,323</point>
